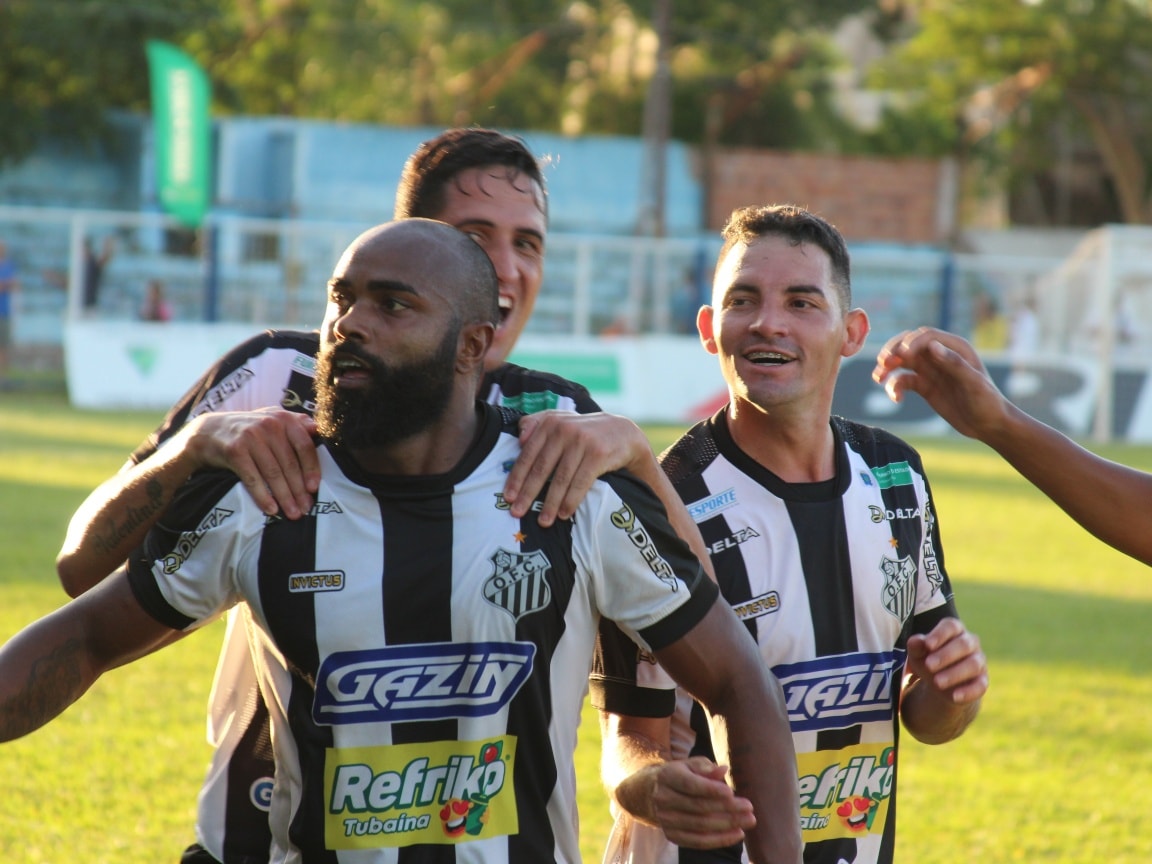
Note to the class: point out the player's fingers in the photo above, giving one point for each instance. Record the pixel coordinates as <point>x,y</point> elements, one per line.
<point>516,484</point>
<point>304,447</point>
<point>536,467</point>
<point>245,468</point>
<point>971,691</point>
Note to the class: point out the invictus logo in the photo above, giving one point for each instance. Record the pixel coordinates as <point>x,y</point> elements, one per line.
<point>420,682</point>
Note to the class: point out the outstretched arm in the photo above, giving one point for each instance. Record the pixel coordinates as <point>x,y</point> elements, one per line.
<point>1110,500</point>
<point>53,661</point>
<point>271,450</point>
<point>718,663</point>
<point>572,450</point>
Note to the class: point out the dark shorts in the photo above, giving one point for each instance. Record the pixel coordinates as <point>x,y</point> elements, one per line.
<point>5,332</point>
<point>197,854</point>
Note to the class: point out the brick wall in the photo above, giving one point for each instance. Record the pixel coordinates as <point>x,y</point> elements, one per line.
<point>867,198</point>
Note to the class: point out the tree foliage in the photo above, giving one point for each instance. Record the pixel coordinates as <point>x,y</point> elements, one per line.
<point>577,66</point>
<point>1019,79</point>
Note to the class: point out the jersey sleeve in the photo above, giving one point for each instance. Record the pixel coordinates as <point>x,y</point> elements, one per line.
<point>529,391</point>
<point>184,574</point>
<point>241,380</point>
<point>934,598</point>
<point>645,578</point>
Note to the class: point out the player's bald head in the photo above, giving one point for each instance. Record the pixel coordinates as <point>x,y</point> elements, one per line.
<point>438,255</point>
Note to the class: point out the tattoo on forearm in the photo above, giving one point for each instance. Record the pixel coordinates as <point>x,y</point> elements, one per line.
<point>54,682</point>
<point>112,533</point>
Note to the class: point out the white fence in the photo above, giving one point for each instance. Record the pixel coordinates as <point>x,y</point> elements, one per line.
<point>251,273</point>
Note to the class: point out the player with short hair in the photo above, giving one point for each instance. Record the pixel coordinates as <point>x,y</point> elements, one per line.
<point>824,540</point>
<point>488,185</point>
<point>423,650</point>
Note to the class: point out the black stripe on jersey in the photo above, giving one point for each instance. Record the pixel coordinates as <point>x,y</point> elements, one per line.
<point>417,593</point>
<point>284,547</point>
<point>612,685</point>
<point>531,709</point>
<point>247,835</point>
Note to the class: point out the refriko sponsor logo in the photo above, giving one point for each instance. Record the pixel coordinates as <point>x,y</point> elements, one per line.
<point>442,792</point>
<point>840,691</point>
<point>845,793</point>
<point>420,682</point>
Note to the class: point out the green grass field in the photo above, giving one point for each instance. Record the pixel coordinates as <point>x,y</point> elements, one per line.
<point>1055,769</point>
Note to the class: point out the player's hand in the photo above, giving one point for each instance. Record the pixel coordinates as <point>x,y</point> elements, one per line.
<point>270,450</point>
<point>946,370</point>
<point>950,662</point>
<point>571,450</point>
<point>691,803</point>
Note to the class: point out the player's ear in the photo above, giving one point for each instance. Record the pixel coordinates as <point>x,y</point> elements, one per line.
<point>475,340</point>
<point>704,322</point>
<point>856,329</point>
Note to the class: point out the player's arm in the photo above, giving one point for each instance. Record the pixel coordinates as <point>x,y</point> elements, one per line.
<point>572,451</point>
<point>1110,500</point>
<point>688,799</point>
<point>718,663</point>
<point>52,662</point>
<point>947,677</point>
<point>271,450</point>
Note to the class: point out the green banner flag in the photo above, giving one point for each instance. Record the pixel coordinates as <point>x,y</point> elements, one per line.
<point>181,96</point>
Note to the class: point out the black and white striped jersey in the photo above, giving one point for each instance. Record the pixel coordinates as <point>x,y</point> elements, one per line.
<point>276,368</point>
<point>830,578</point>
<point>423,653</point>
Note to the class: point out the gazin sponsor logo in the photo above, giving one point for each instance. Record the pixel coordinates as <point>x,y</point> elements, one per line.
<point>420,682</point>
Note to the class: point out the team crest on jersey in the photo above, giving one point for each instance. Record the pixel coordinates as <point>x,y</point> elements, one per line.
<point>519,582</point>
<point>899,592</point>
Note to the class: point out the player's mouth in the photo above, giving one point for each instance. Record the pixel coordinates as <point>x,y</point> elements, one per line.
<point>505,308</point>
<point>348,369</point>
<point>769,358</point>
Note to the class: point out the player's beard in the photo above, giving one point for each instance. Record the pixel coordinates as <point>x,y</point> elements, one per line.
<point>402,401</point>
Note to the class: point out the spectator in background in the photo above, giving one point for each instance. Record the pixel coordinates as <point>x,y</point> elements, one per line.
<point>9,284</point>
<point>989,326</point>
<point>94,265</point>
<point>156,307</point>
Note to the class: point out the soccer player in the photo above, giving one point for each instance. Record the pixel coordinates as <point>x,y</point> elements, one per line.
<point>824,541</point>
<point>1107,498</point>
<point>486,184</point>
<point>423,650</point>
